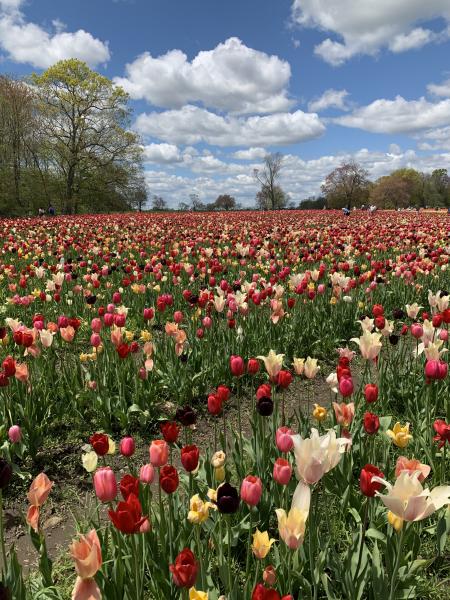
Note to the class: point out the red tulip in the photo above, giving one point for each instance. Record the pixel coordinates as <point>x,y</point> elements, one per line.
<point>129,485</point>
<point>253,366</point>
<point>9,366</point>
<point>284,379</point>
<point>371,423</point>
<point>127,517</point>
<point>170,431</point>
<point>371,392</point>
<point>185,568</point>
<point>367,486</point>
<point>214,405</point>
<point>168,479</point>
<point>223,393</point>
<point>189,457</point>
<point>377,310</point>
<point>442,430</point>
<point>100,443</point>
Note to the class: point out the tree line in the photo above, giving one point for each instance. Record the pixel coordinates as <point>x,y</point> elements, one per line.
<point>65,142</point>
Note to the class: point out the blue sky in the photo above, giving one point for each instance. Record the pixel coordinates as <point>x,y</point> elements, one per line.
<point>217,85</point>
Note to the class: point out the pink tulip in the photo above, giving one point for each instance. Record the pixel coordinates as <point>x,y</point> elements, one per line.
<point>346,386</point>
<point>443,335</point>
<point>417,330</point>
<point>283,439</point>
<point>237,366</point>
<point>159,453</point>
<point>105,484</point>
<point>282,471</point>
<point>95,340</point>
<point>251,490</point>
<point>178,316</point>
<point>108,319</point>
<point>15,434</point>
<point>111,308</point>
<point>127,446</point>
<point>411,465</point>
<point>117,298</point>
<point>67,333</point>
<point>207,322</point>
<point>147,474</point>
<point>96,325</point>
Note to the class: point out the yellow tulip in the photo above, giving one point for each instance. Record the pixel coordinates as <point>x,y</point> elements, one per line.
<point>219,474</point>
<point>199,510</point>
<point>320,413</point>
<point>89,460</point>
<point>394,521</point>
<point>400,436</point>
<point>261,544</point>
<point>197,594</point>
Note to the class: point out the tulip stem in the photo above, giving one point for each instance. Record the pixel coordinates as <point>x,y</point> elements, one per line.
<point>363,536</point>
<point>249,551</point>
<point>2,536</point>
<point>230,580</point>
<point>396,566</point>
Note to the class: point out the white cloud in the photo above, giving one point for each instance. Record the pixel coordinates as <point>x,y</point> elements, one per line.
<point>329,99</point>
<point>162,153</point>
<point>300,178</point>
<point>192,124</point>
<point>366,26</point>
<point>250,153</point>
<point>435,139</point>
<point>440,89</point>
<point>398,116</point>
<point>29,43</point>
<point>231,77</point>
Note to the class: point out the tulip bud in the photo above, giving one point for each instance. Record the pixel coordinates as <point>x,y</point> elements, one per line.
<point>214,405</point>
<point>127,446</point>
<point>269,576</point>
<point>251,490</point>
<point>283,438</point>
<point>367,486</point>
<point>237,366</point>
<point>105,484</point>
<point>371,392</point>
<point>417,330</point>
<point>371,423</point>
<point>147,474</point>
<point>282,471</point>
<point>346,386</point>
<point>159,453</point>
<point>14,434</point>
<point>253,366</point>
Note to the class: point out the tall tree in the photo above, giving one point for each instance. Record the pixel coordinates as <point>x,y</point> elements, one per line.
<point>268,178</point>
<point>17,121</point>
<point>225,202</point>
<point>346,186</point>
<point>271,199</point>
<point>86,121</point>
<point>391,191</point>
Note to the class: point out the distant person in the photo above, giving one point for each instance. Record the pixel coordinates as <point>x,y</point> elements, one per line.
<point>51,210</point>
<point>41,212</point>
<point>346,211</point>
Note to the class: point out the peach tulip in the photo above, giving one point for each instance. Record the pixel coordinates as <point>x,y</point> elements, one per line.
<point>86,589</point>
<point>67,333</point>
<point>344,413</point>
<point>410,466</point>
<point>87,554</point>
<point>33,517</point>
<point>409,501</point>
<point>21,373</point>
<point>39,490</point>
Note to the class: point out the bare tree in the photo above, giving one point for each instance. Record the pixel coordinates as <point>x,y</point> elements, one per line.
<point>158,203</point>
<point>183,206</point>
<point>346,185</point>
<point>268,178</point>
<point>196,203</point>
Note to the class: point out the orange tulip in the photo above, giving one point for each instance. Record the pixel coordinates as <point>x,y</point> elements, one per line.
<point>87,554</point>
<point>39,490</point>
<point>86,589</point>
<point>67,333</point>
<point>33,517</point>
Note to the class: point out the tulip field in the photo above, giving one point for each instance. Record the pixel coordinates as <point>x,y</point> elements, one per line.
<point>257,405</point>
